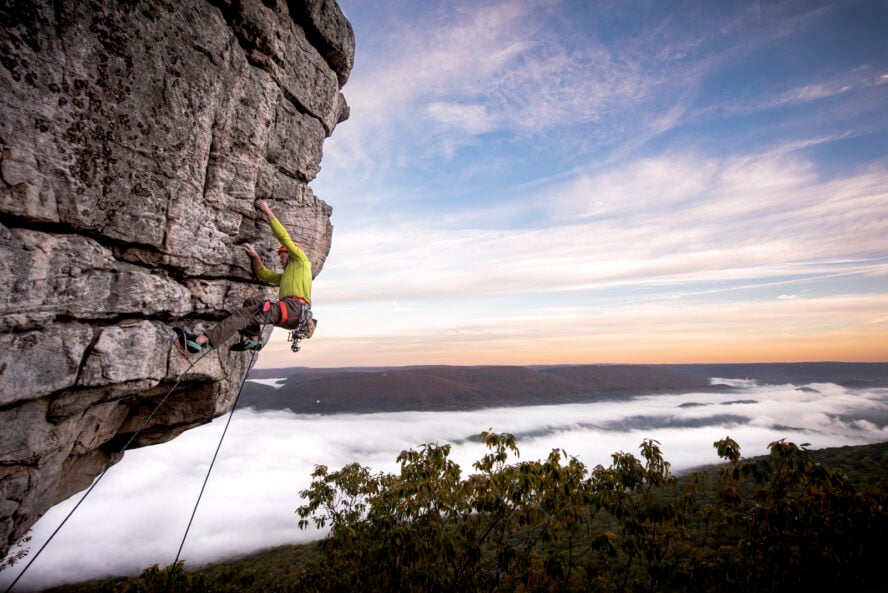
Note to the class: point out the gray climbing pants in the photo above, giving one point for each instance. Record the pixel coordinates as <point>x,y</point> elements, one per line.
<point>247,320</point>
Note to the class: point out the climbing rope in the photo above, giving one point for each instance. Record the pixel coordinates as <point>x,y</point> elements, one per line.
<point>125,447</point>
<point>213,462</point>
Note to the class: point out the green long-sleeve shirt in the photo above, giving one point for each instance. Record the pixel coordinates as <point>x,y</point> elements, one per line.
<point>296,279</point>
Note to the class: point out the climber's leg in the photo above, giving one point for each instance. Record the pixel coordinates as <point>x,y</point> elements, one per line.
<point>251,315</point>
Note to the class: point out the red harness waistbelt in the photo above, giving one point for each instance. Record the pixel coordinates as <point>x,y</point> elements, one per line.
<point>283,306</point>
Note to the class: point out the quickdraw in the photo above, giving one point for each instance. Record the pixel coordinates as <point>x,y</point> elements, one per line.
<point>304,330</point>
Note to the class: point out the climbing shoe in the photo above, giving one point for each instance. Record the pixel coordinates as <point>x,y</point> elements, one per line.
<point>248,344</point>
<point>186,341</point>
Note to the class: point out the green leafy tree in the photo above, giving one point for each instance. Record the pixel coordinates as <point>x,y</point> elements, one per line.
<point>782,522</point>
<point>644,545</point>
<point>795,524</point>
<point>426,529</point>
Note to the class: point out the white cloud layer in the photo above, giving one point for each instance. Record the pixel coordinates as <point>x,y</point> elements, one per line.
<point>137,515</point>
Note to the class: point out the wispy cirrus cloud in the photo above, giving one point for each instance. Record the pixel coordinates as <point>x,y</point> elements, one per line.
<point>678,218</point>
<point>473,119</point>
<point>502,58</point>
<point>597,325</point>
<point>432,84</point>
<point>859,78</point>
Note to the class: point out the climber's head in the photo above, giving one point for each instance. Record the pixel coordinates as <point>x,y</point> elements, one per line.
<point>283,255</point>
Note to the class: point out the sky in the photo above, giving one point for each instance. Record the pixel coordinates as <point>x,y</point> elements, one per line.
<point>137,515</point>
<point>559,181</point>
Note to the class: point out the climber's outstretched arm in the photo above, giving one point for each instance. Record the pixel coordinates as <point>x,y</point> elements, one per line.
<point>281,233</point>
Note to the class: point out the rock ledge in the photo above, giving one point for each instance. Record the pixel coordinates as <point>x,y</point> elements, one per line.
<point>134,138</point>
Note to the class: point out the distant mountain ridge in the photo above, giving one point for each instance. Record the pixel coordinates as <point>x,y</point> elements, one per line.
<point>439,388</point>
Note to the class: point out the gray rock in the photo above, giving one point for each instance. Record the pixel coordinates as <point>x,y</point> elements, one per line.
<point>37,363</point>
<point>76,277</point>
<point>134,138</point>
<point>330,32</point>
<point>127,352</point>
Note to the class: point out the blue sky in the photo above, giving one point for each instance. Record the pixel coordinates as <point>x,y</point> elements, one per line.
<point>562,181</point>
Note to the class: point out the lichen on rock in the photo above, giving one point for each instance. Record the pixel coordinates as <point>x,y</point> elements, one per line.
<point>134,138</point>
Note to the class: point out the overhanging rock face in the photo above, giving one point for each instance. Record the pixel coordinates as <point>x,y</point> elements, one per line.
<point>135,137</point>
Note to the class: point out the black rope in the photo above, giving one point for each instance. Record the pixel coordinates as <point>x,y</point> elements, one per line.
<point>212,463</point>
<point>102,475</point>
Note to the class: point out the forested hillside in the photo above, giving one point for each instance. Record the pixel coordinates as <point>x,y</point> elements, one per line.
<point>439,388</point>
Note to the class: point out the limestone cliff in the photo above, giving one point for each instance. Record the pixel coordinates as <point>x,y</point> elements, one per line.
<point>136,135</point>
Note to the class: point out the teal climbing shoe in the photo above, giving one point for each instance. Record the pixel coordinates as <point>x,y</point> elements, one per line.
<point>248,344</point>
<point>187,341</point>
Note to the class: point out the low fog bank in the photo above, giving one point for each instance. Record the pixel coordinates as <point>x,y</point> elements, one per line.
<point>137,515</point>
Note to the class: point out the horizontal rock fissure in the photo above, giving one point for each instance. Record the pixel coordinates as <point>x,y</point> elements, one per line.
<point>296,176</point>
<point>14,221</point>
<point>105,321</point>
<point>292,99</point>
<point>33,463</point>
<point>303,110</point>
<point>182,278</point>
<point>171,320</point>
<point>118,248</point>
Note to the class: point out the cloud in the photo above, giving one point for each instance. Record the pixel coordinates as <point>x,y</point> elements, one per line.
<point>508,60</point>
<point>536,68</point>
<point>675,218</point>
<point>137,515</point>
<point>720,236</point>
<point>856,80</point>
<point>471,119</point>
<point>812,92</point>
<point>583,327</point>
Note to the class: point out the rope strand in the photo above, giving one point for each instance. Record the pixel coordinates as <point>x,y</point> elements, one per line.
<point>212,463</point>
<point>102,475</point>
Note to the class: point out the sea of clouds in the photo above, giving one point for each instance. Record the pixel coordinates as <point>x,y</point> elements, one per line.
<point>137,515</point>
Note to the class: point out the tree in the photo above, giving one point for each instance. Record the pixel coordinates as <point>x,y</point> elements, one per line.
<point>782,522</point>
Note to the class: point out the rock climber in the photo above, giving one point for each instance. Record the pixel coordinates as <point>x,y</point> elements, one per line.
<point>291,311</point>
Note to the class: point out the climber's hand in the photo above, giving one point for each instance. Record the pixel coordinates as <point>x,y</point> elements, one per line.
<point>263,206</point>
<point>251,251</point>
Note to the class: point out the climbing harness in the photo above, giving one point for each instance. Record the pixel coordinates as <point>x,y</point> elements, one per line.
<point>129,441</point>
<point>301,324</point>
<point>298,303</point>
